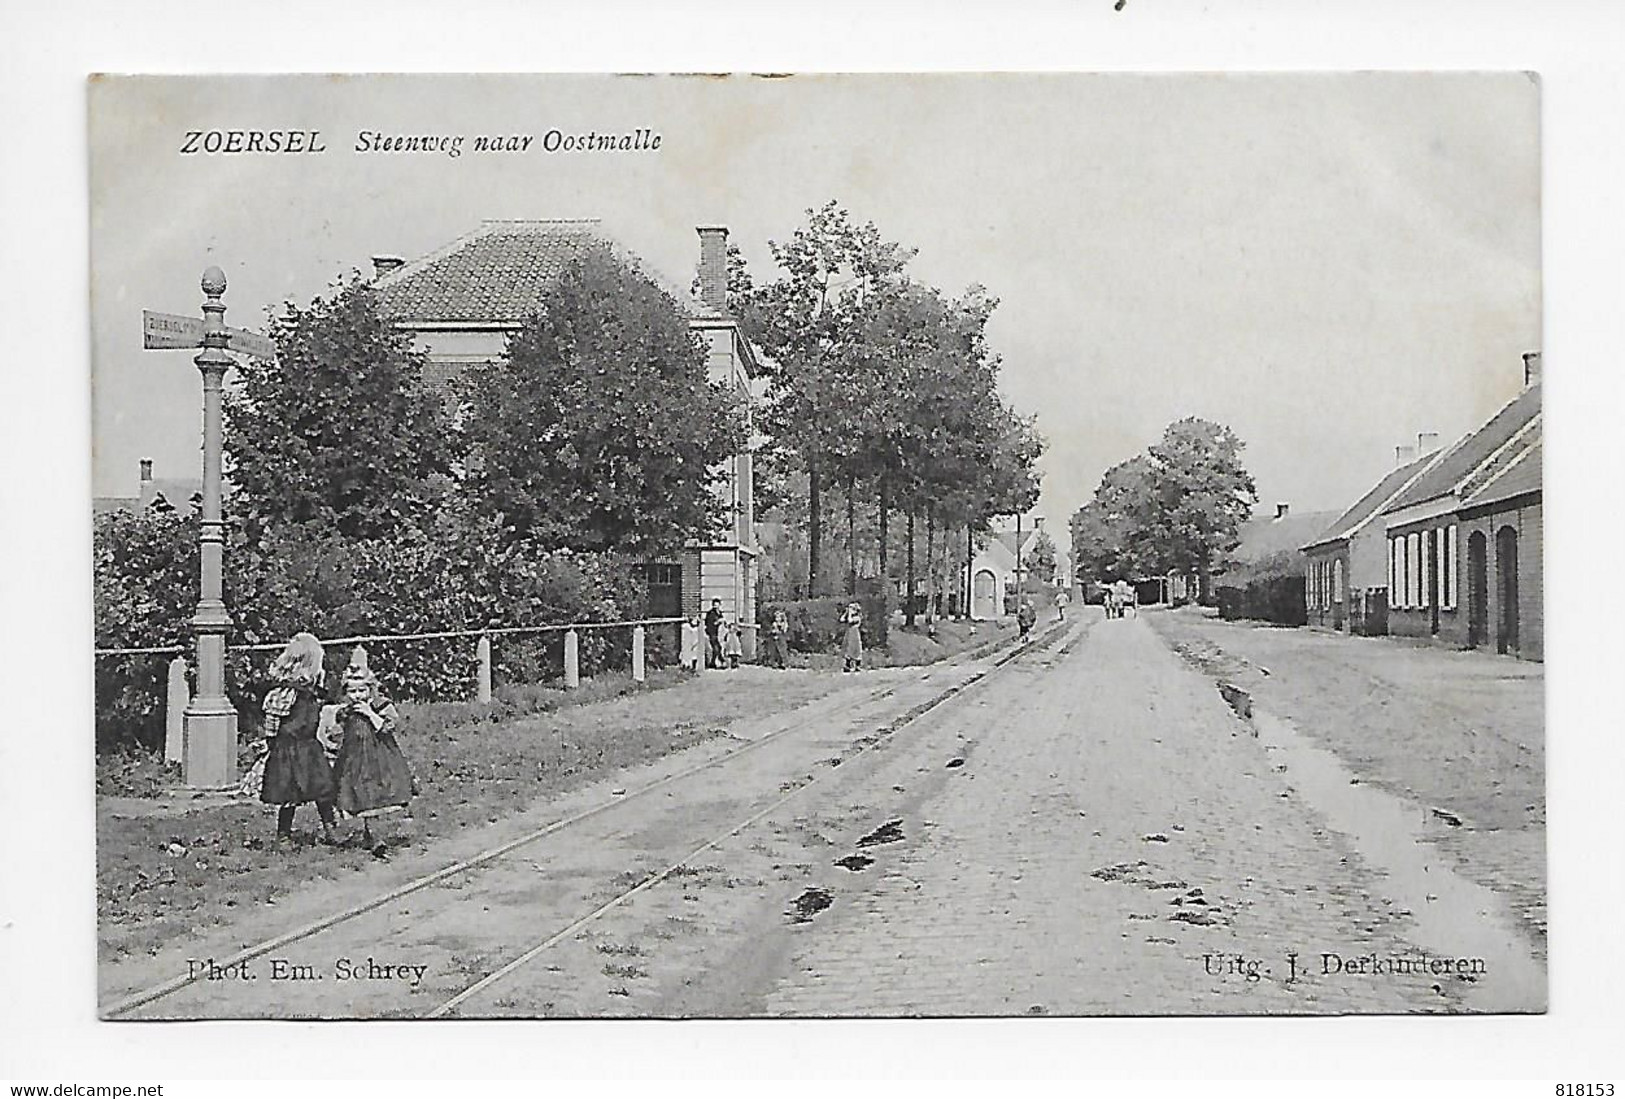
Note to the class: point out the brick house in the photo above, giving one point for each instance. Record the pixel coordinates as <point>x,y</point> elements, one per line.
<point>1474,517</point>
<point>1346,570</point>
<point>461,302</point>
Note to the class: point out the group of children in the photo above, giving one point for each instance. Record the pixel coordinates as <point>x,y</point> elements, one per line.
<point>345,758</point>
<point>722,647</point>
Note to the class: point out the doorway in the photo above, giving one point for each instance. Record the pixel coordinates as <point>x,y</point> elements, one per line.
<point>1477,589</point>
<point>1506,589</point>
<point>984,595</point>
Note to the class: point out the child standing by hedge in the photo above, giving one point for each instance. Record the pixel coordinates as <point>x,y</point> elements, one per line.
<point>852,646</point>
<point>296,768</point>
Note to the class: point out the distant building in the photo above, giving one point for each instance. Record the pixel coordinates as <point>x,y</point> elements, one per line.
<point>182,494</point>
<point>1346,573</point>
<point>461,302</point>
<point>993,570</point>
<point>1270,545</point>
<point>1465,556</point>
<point>1264,577</point>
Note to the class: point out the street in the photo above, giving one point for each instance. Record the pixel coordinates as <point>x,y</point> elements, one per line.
<point>1086,829</point>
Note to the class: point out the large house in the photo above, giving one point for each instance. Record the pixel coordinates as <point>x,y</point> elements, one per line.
<point>1346,576</point>
<point>462,301</point>
<point>1481,500</point>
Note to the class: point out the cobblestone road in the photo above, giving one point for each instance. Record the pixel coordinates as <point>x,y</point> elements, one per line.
<point>1115,837</point>
<point>1086,830</point>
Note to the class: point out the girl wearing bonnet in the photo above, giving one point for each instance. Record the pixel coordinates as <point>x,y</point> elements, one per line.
<point>372,774</point>
<point>296,768</point>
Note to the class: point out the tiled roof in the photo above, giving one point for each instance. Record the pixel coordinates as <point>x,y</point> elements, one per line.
<point>1463,459</point>
<point>498,273</point>
<point>1517,477</point>
<point>1345,525</point>
<point>1266,535</point>
<point>1501,461</point>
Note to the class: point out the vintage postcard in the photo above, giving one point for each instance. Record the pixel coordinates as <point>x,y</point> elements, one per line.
<point>803,546</point>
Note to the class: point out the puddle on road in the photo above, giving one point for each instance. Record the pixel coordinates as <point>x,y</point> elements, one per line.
<point>890,832</point>
<point>809,904</point>
<point>1453,917</point>
<point>855,863</point>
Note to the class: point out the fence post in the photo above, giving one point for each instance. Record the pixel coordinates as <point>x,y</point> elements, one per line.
<point>482,652</point>
<point>572,660</point>
<point>178,699</point>
<point>637,654</point>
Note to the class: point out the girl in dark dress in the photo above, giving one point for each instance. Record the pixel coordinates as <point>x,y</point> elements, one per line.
<point>372,772</point>
<point>296,768</point>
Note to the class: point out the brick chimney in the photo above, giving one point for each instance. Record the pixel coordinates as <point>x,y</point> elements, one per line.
<point>384,264</point>
<point>714,266</point>
<point>1404,455</point>
<point>146,470</point>
<point>1281,510</point>
<point>1426,443</point>
<point>1531,368</point>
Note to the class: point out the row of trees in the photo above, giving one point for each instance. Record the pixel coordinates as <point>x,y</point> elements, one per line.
<point>883,390</point>
<point>1177,508</point>
<point>369,496</point>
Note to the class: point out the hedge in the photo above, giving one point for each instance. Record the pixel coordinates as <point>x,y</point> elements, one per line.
<point>461,575</point>
<point>1277,599</point>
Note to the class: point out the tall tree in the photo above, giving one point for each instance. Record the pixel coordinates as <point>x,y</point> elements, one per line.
<point>1040,561</point>
<point>1204,494</point>
<point>1114,536</point>
<point>809,322</point>
<point>336,434</point>
<point>598,428</point>
<point>1177,507</point>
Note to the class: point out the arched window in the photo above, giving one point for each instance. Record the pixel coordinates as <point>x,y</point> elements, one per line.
<point>1337,580</point>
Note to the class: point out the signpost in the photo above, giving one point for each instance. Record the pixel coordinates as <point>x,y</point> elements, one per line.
<point>209,743</point>
<point>168,331</point>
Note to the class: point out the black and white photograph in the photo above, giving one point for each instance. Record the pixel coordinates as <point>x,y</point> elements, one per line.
<point>646,547</point>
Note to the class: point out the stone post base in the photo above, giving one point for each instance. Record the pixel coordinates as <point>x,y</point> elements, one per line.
<point>209,751</point>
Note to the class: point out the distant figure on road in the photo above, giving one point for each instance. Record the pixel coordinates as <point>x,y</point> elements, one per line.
<point>1026,615</point>
<point>688,653</point>
<point>778,639</point>
<point>1108,600</point>
<point>852,645</point>
<point>732,648</point>
<point>713,635</point>
<point>1061,600</point>
<point>1124,596</point>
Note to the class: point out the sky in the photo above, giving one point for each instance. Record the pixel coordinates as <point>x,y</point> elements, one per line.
<point>1329,264</point>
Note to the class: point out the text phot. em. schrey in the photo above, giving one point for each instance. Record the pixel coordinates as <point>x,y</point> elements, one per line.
<point>600,546</point>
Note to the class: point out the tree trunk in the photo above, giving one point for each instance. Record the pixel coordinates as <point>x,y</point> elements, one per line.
<point>970,560</point>
<point>851,536</point>
<point>885,503</point>
<point>813,526</point>
<point>908,588</point>
<point>930,564</point>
